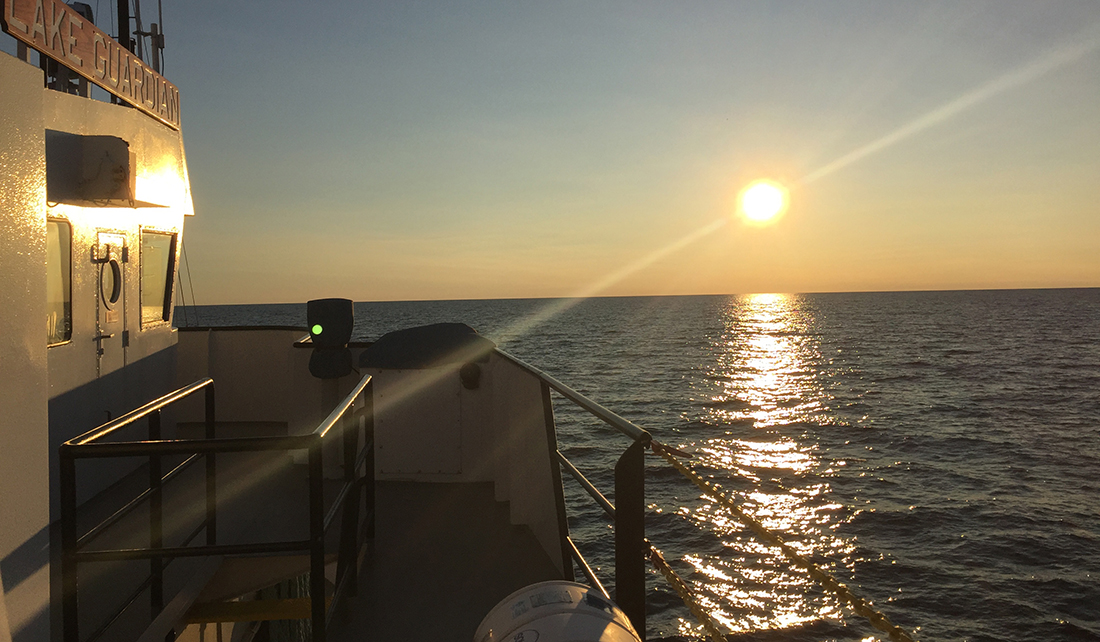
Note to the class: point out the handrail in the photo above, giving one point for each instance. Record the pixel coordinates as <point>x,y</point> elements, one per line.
<point>630,542</point>
<point>191,446</point>
<point>136,593</point>
<point>68,453</point>
<point>346,488</point>
<point>121,554</point>
<point>95,531</point>
<point>586,569</point>
<point>607,506</point>
<point>348,498</point>
<point>624,426</point>
<point>341,408</point>
<point>134,415</point>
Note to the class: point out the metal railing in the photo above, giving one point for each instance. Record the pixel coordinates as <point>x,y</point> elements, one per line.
<point>90,445</point>
<point>628,511</point>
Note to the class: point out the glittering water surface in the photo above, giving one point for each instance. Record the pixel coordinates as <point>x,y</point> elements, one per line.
<point>938,452</point>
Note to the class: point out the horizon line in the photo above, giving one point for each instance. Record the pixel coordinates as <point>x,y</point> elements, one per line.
<point>657,296</point>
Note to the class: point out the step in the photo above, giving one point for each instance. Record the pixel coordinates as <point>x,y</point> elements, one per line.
<point>294,608</point>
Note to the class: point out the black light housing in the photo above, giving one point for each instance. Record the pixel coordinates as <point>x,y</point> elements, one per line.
<point>330,322</point>
<point>330,326</point>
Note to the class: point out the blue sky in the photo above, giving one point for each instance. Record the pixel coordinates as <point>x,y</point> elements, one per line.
<point>414,150</point>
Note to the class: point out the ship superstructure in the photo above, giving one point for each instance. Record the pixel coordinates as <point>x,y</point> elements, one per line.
<point>433,468</point>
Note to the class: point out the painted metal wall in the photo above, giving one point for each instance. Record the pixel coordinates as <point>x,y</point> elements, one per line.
<point>50,394</point>
<point>24,452</point>
<point>429,428</point>
<point>259,376</point>
<point>138,363</point>
<point>520,426</point>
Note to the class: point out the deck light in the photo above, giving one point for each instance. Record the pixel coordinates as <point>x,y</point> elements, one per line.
<point>330,324</point>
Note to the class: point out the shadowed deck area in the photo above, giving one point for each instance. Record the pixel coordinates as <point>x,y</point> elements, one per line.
<point>443,556</point>
<point>262,498</point>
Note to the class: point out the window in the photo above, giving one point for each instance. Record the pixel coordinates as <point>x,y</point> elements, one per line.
<point>158,262</point>
<point>59,294</point>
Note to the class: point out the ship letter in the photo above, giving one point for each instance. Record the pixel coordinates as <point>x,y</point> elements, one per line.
<point>12,21</point>
<point>55,29</point>
<point>39,24</point>
<point>100,60</point>
<point>123,73</point>
<point>70,41</point>
<point>136,89</point>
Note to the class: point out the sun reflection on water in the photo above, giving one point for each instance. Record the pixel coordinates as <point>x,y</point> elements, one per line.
<point>762,362</point>
<point>761,386</point>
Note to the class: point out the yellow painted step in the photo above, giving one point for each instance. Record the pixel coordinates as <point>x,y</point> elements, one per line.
<point>297,608</point>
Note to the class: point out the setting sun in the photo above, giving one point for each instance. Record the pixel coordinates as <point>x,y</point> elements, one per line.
<point>763,201</point>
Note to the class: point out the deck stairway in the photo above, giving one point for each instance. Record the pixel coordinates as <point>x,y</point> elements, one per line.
<point>432,542</point>
<point>443,556</point>
<point>260,515</point>
<point>240,591</point>
<point>263,498</point>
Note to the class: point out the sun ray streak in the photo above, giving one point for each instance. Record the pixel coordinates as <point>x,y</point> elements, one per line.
<point>1047,63</point>
<point>525,325</point>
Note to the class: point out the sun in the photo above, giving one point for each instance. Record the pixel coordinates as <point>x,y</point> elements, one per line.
<point>762,201</point>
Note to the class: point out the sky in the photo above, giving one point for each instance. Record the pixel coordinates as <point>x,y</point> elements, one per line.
<point>470,150</point>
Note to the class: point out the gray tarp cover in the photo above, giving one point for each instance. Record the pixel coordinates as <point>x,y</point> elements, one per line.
<point>427,346</point>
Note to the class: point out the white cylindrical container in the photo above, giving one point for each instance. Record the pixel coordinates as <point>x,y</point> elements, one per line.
<point>556,611</point>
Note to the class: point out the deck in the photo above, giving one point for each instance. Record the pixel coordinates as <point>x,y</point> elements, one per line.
<point>443,556</point>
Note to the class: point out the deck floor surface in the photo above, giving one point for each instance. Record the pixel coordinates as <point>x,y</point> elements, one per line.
<point>444,554</point>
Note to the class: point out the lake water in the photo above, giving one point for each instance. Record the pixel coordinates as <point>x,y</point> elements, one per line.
<point>938,451</point>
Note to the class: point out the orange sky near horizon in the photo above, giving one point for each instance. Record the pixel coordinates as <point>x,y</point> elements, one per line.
<point>502,151</point>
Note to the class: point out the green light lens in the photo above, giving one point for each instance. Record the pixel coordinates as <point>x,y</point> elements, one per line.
<point>317,329</point>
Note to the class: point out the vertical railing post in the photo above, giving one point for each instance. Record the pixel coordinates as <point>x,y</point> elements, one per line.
<point>211,473</point>
<point>630,543</point>
<point>555,481</point>
<point>156,515</point>
<point>368,474</point>
<point>348,540</point>
<point>68,546</point>
<point>316,540</point>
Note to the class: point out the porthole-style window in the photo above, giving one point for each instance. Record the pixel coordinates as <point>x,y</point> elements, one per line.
<point>110,282</point>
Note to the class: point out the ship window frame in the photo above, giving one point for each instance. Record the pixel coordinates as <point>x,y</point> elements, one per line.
<point>64,267</point>
<point>169,266</point>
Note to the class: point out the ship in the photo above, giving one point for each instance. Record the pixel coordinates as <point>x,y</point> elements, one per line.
<point>249,483</point>
<point>263,483</point>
